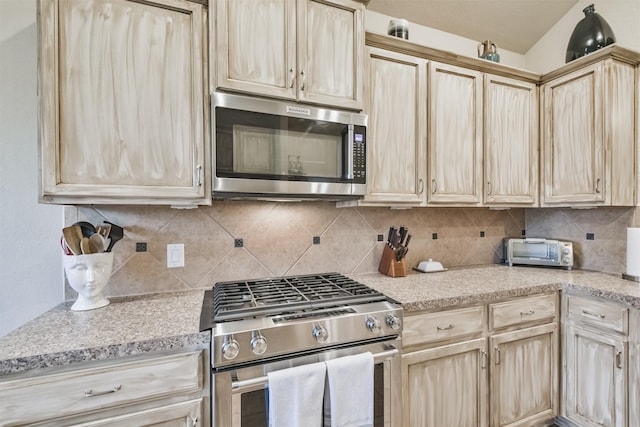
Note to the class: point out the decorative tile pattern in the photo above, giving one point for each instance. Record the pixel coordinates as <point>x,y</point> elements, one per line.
<point>278,239</point>
<point>607,252</point>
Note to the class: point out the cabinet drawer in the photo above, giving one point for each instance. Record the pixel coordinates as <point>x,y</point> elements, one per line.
<point>601,314</point>
<point>522,310</point>
<point>442,325</point>
<point>89,389</point>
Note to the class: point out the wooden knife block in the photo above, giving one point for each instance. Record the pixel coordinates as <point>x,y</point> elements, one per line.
<point>389,266</point>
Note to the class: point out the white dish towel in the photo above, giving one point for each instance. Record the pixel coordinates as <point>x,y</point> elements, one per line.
<point>349,392</point>
<point>295,396</point>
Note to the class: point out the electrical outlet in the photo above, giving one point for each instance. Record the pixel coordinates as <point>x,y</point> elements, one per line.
<point>591,236</point>
<point>175,255</point>
<point>380,237</point>
<point>238,243</point>
<point>524,232</point>
<point>316,240</point>
<point>141,247</point>
<point>434,236</point>
<point>482,234</point>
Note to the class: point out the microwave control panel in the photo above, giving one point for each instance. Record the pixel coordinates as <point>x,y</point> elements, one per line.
<point>359,155</point>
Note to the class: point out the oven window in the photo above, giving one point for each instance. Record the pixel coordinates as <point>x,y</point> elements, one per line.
<point>254,404</point>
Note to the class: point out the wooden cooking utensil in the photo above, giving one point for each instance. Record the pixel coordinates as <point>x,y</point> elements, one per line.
<point>96,243</point>
<point>84,246</point>
<point>73,235</point>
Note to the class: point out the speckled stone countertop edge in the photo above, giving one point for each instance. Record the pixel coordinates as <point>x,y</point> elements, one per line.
<point>484,298</point>
<point>75,356</point>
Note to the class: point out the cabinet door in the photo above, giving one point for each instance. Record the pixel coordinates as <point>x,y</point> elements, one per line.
<point>574,168</point>
<point>455,137</point>
<point>256,46</point>
<point>395,103</point>
<point>331,52</point>
<point>510,141</point>
<point>446,386</point>
<point>524,376</point>
<point>184,414</point>
<point>122,101</point>
<point>595,378</point>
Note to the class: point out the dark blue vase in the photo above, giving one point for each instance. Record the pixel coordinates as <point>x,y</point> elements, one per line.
<point>590,34</point>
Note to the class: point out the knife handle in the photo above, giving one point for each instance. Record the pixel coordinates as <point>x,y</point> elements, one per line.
<point>406,243</point>
<point>392,232</point>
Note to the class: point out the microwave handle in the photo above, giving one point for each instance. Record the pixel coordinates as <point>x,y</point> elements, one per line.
<point>350,131</point>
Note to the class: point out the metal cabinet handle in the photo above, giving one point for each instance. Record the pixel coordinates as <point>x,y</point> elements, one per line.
<point>90,393</point>
<point>421,186</point>
<point>497,353</point>
<point>588,313</point>
<point>527,313</point>
<point>619,359</point>
<point>444,328</point>
<point>484,356</point>
<point>293,78</point>
<point>303,81</point>
<point>199,176</point>
<point>598,185</point>
<point>434,186</point>
<point>490,188</point>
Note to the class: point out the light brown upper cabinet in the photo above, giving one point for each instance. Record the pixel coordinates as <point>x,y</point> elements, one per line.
<point>122,89</point>
<point>395,101</point>
<point>306,50</point>
<point>588,136</point>
<point>510,141</point>
<point>455,135</point>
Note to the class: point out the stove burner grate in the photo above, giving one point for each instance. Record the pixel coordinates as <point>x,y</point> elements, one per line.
<point>237,300</point>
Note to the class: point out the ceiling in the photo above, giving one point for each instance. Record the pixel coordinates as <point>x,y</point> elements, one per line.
<point>515,25</point>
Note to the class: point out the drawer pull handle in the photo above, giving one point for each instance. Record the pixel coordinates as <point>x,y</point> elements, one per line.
<point>588,313</point>
<point>90,393</point>
<point>527,313</point>
<point>444,328</point>
<point>619,359</point>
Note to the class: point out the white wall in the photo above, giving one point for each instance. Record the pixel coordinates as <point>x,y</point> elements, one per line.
<point>377,23</point>
<point>622,15</point>
<point>30,264</point>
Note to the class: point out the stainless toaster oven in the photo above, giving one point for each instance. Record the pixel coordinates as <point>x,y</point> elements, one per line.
<point>537,251</point>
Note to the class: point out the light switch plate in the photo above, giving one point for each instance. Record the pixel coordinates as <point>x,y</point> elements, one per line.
<point>175,255</point>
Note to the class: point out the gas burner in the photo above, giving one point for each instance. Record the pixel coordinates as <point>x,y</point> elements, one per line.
<point>237,300</point>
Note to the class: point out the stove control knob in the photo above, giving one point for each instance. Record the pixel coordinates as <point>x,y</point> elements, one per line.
<point>567,259</point>
<point>320,334</point>
<point>372,324</point>
<point>566,251</point>
<point>393,322</point>
<point>258,344</point>
<point>230,348</point>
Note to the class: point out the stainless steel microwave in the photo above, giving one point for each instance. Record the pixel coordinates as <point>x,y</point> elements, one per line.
<point>278,149</point>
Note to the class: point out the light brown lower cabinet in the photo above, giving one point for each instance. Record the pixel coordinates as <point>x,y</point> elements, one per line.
<point>600,387</point>
<point>161,390</point>
<point>475,370</point>
<point>447,385</point>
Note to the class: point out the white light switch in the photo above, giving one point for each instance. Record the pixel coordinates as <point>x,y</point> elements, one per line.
<point>175,255</point>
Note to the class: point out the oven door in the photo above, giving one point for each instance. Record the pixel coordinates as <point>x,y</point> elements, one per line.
<point>239,395</point>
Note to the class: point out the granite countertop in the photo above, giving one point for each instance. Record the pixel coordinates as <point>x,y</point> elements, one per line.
<point>127,326</point>
<point>137,325</point>
<point>471,285</point>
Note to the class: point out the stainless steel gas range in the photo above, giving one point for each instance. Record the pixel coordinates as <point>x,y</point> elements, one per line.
<point>260,326</point>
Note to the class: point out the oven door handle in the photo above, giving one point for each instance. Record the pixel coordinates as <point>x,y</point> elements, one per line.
<point>236,385</point>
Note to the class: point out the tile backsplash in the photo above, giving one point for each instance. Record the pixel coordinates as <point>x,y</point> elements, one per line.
<point>607,226</point>
<point>278,240</point>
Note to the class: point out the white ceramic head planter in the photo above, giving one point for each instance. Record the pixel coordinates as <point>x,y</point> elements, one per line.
<point>88,275</point>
